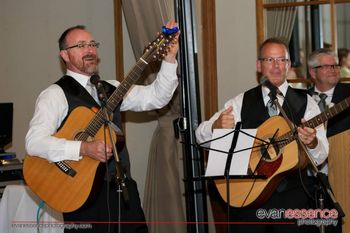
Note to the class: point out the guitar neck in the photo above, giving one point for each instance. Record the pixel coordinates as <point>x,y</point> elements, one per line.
<point>115,98</point>
<point>154,51</point>
<point>329,113</point>
<point>316,121</point>
<point>126,84</point>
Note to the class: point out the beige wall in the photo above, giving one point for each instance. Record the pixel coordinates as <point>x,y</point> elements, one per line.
<point>29,59</point>
<point>236,47</point>
<point>29,50</point>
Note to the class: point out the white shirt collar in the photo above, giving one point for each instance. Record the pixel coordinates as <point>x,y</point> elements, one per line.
<point>283,89</point>
<point>80,78</point>
<point>328,92</point>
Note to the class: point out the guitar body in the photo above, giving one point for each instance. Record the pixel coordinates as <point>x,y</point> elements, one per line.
<point>59,190</point>
<point>253,192</point>
<point>277,162</point>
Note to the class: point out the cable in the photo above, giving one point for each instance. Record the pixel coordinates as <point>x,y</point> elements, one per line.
<point>40,206</point>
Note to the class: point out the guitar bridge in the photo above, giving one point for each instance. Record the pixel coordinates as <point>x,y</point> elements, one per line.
<point>63,166</point>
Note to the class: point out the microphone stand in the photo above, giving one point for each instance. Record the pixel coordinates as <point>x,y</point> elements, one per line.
<point>319,175</point>
<point>120,175</point>
<point>227,169</point>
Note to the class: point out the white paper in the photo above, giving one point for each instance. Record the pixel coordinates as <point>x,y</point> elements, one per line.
<point>240,161</point>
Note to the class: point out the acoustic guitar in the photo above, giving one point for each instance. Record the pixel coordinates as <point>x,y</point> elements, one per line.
<point>65,186</point>
<point>276,155</point>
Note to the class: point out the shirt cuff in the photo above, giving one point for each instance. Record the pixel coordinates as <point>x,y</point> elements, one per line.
<point>317,154</point>
<point>72,150</point>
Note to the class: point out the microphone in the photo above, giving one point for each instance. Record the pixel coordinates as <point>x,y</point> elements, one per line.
<point>273,89</point>
<point>95,79</point>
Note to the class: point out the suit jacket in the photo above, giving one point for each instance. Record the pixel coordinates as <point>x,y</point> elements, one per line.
<point>340,122</point>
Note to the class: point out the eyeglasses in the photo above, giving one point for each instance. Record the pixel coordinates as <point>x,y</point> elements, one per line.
<point>328,67</point>
<point>92,44</point>
<point>270,60</point>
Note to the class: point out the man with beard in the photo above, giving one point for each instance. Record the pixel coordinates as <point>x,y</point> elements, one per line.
<point>78,50</point>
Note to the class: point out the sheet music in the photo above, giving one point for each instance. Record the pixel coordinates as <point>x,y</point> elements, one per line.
<point>217,160</point>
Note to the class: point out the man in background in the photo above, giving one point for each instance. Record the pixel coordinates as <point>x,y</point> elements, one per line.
<point>344,62</point>
<point>327,91</point>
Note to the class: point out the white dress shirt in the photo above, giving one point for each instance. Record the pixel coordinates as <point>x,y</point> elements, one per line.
<point>329,94</point>
<point>319,153</point>
<point>324,167</point>
<point>51,108</point>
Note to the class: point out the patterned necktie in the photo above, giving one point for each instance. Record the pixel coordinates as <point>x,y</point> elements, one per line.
<point>271,106</point>
<point>322,103</point>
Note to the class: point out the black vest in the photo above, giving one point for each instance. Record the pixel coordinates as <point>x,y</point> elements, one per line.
<point>76,96</point>
<point>254,111</point>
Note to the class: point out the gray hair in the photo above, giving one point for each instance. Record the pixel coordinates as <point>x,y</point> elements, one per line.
<point>314,58</point>
<point>273,40</point>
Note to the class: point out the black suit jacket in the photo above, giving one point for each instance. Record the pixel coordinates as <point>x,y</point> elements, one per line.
<point>340,122</point>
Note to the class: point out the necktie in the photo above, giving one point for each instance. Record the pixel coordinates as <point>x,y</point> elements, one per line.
<point>322,103</point>
<point>92,90</point>
<point>271,106</point>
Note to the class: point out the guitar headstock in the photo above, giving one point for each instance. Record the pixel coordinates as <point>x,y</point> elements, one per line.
<point>158,48</point>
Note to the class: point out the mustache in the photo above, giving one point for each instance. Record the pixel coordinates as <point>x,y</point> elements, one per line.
<point>90,56</point>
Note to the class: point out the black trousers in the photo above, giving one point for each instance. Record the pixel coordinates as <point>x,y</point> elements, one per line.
<point>95,212</point>
<point>289,195</point>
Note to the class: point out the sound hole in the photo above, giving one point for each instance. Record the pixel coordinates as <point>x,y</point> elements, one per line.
<point>83,136</point>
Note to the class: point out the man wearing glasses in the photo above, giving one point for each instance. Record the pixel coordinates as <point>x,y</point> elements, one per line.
<point>79,52</point>
<point>325,73</point>
<point>252,108</point>
<point>327,91</point>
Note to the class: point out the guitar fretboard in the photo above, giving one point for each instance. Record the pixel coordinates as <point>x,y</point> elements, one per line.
<point>113,101</point>
<point>285,139</point>
<point>326,115</point>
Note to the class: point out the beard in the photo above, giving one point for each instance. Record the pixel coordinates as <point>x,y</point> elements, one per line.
<point>90,63</point>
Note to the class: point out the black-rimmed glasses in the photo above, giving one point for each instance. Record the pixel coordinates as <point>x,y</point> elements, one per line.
<point>271,60</point>
<point>84,45</point>
<point>328,67</point>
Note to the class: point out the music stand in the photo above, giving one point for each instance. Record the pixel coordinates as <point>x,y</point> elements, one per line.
<point>227,175</point>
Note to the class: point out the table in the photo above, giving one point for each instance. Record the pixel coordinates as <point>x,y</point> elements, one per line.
<point>18,211</point>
